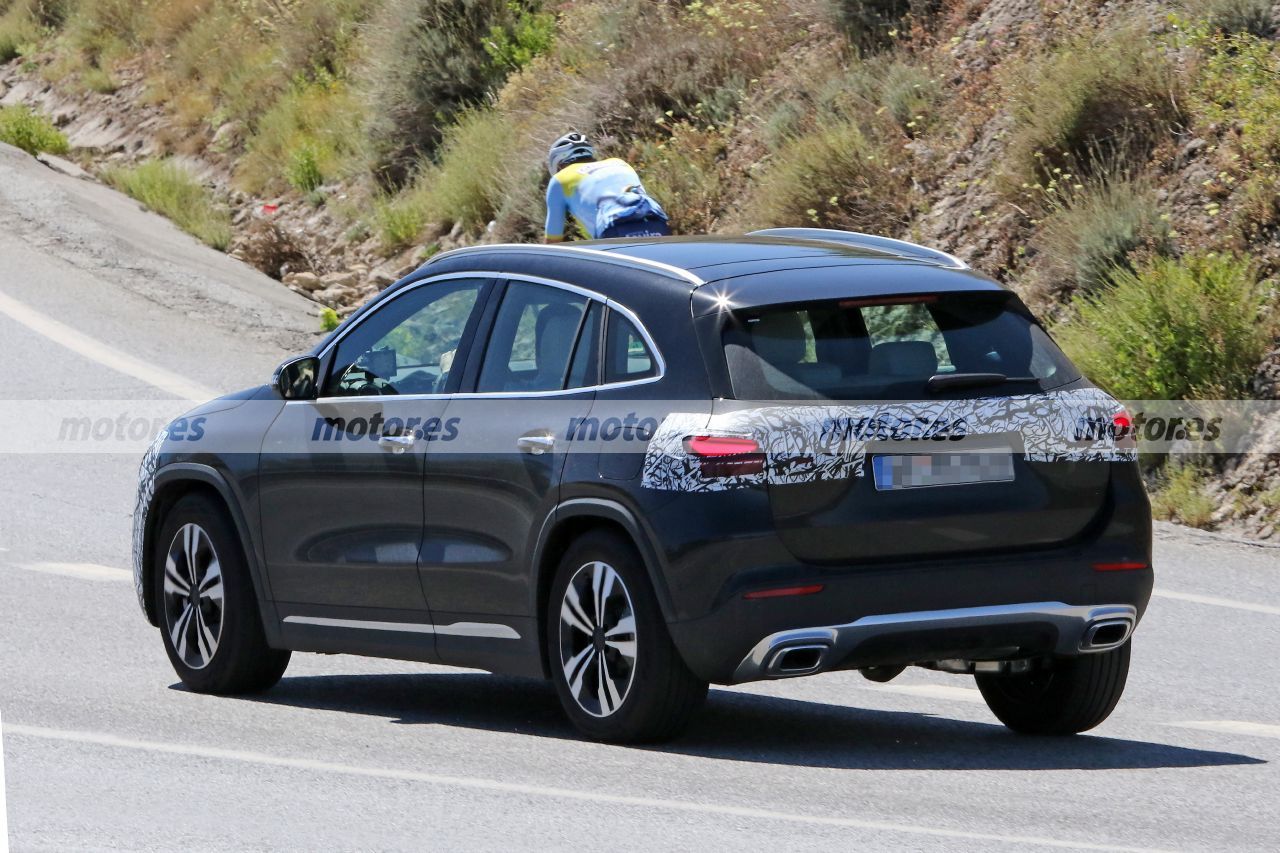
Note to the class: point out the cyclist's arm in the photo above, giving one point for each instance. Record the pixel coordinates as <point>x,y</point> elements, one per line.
<point>557,210</point>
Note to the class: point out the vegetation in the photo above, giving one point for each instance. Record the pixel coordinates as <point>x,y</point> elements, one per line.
<point>171,190</point>
<point>1174,329</point>
<point>1112,93</point>
<point>30,131</point>
<point>329,320</point>
<point>1180,496</point>
<point>1093,228</point>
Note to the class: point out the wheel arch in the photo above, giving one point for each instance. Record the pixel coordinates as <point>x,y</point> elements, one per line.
<point>176,481</point>
<point>572,519</point>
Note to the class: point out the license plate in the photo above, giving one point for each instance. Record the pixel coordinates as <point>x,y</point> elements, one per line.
<point>922,470</point>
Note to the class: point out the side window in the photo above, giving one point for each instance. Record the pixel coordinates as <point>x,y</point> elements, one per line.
<point>584,370</point>
<point>409,346</point>
<point>627,356</point>
<point>533,339</point>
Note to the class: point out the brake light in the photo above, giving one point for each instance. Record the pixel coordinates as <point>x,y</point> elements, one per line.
<point>926,298</point>
<point>1122,423</point>
<point>725,456</point>
<point>1120,566</point>
<point>784,591</point>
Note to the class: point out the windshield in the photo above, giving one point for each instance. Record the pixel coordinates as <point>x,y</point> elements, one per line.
<point>888,348</point>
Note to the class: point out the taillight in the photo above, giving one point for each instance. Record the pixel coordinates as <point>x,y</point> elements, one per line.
<point>1122,425</point>
<point>725,456</point>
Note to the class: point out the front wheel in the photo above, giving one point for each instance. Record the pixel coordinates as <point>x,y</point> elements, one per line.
<point>616,670</point>
<point>1071,696</point>
<point>208,612</point>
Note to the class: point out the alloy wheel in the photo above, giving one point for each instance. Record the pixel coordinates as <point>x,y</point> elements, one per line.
<point>598,639</point>
<point>193,600</point>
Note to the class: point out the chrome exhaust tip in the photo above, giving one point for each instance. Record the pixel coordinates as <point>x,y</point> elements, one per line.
<point>1106,634</point>
<point>790,661</point>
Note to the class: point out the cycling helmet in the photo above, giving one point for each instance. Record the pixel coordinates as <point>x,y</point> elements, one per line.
<point>569,148</point>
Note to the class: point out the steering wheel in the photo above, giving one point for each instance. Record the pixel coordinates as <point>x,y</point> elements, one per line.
<point>357,381</point>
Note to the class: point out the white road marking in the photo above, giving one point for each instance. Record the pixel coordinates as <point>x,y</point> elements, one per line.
<point>1218,602</point>
<point>495,786</point>
<point>4,814</point>
<point>84,571</point>
<point>931,691</point>
<point>1232,727</point>
<point>104,354</point>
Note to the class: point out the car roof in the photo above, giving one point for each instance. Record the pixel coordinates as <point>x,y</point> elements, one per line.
<point>700,260</point>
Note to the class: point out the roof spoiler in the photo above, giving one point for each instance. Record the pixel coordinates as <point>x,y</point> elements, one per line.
<point>901,248</point>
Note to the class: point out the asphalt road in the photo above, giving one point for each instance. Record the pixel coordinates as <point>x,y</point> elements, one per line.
<point>103,748</point>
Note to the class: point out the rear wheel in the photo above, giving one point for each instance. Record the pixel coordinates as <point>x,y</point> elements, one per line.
<point>1072,696</point>
<point>208,612</point>
<point>618,675</point>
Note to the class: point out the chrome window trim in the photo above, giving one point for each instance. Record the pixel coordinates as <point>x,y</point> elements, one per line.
<point>607,302</point>
<point>598,254</point>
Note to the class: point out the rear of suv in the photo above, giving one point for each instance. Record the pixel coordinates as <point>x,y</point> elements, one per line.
<point>639,467</point>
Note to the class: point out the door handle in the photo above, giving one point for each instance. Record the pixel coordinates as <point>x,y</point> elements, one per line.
<point>537,443</point>
<point>397,443</point>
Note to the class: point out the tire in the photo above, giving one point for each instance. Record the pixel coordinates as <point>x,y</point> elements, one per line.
<point>648,693</point>
<point>1073,696</point>
<point>214,638</point>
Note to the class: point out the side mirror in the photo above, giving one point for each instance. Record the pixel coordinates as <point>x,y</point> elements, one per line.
<point>296,378</point>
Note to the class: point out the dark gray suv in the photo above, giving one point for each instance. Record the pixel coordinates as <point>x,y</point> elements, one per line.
<point>637,467</point>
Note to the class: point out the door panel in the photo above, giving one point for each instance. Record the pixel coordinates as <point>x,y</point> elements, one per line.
<point>488,493</point>
<point>342,505</point>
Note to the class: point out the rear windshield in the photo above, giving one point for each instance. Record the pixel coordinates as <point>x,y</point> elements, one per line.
<point>889,349</point>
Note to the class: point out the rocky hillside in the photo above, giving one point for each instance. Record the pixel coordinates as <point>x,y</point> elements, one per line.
<point>1115,161</point>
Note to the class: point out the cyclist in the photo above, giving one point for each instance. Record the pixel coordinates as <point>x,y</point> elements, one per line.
<point>604,196</point>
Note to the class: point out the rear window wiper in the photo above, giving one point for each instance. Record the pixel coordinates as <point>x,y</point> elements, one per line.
<point>945,381</point>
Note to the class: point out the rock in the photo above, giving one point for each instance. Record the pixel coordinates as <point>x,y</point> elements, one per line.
<point>339,279</point>
<point>228,134</point>
<point>66,167</point>
<point>381,277</point>
<point>307,281</point>
<point>334,295</point>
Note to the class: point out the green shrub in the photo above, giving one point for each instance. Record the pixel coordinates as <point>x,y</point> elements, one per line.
<point>431,63</point>
<point>1173,329</point>
<point>1238,16</point>
<point>30,131</point>
<point>1236,87</point>
<point>400,219</point>
<point>303,171</point>
<point>329,320</point>
<point>310,136</point>
<point>834,176</point>
<point>19,30</point>
<point>468,185</point>
<point>683,173</point>
<point>873,24</point>
<point>1093,227</point>
<point>529,35</point>
<point>98,80</point>
<point>1110,95</point>
<point>1180,496</point>
<point>172,191</point>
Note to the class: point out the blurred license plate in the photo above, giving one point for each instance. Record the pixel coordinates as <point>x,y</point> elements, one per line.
<point>921,470</point>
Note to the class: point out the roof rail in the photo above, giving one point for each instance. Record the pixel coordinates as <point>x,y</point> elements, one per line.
<point>556,249</point>
<point>901,248</point>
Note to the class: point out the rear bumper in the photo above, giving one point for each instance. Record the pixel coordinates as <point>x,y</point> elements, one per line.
<point>895,638</point>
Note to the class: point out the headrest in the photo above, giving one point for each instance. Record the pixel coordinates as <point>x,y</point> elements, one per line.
<point>778,338</point>
<point>903,358</point>
<point>554,334</point>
